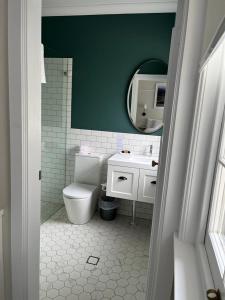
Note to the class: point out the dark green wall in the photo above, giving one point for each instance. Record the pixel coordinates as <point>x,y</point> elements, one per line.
<point>106,50</point>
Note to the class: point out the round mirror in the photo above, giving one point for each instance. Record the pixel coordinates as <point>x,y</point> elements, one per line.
<point>146,96</point>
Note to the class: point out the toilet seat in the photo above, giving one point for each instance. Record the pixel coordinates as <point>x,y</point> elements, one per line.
<point>79,190</point>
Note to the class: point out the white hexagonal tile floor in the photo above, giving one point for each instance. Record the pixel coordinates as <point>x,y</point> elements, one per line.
<point>48,209</point>
<point>120,272</point>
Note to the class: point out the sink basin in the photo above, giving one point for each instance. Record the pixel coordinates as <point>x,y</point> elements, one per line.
<point>133,161</point>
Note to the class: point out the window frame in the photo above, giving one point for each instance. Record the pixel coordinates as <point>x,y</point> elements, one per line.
<point>214,242</point>
<point>196,199</point>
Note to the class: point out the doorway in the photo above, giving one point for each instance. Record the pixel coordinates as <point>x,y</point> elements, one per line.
<point>25,140</point>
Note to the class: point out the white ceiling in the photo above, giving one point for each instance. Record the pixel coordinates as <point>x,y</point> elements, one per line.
<point>95,7</point>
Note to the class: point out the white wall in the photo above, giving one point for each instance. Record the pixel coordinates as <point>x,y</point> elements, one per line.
<point>4,144</point>
<point>214,16</point>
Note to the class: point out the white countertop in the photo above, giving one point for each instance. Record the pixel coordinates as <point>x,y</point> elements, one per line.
<point>133,161</point>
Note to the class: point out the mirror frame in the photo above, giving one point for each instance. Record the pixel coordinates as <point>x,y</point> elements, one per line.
<point>129,90</point>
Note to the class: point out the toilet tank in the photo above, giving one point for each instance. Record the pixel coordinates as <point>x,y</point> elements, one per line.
<point>88,168</point>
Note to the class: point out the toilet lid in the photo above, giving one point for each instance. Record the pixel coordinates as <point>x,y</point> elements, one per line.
<point>78,190</point>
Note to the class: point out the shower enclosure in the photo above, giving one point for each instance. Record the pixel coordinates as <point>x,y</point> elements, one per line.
<point>55,96</point>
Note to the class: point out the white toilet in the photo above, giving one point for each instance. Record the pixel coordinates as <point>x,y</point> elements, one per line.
<point>81,197</point>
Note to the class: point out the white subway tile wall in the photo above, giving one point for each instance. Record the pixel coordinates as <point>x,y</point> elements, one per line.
<point>54,93</point>
<point>106,143</point>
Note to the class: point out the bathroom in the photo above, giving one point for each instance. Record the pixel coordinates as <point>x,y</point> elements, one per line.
<point>93,108</point>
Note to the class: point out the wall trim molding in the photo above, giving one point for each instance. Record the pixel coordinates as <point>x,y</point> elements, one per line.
<point>72,8</point>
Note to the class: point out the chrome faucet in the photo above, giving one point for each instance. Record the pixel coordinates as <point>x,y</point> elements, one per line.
<point>150,149</point>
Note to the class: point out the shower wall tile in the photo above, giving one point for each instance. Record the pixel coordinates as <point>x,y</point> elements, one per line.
<point>53,163</point>
<point>53,93</point>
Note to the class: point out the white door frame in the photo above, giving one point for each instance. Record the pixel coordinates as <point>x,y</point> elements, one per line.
<point>96,7</point>
<point>24,44</point>
<point>157,243</point>
<point>182,83</point>
<point>24,21</point>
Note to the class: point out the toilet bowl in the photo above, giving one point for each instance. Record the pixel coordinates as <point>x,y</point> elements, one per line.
<point>81,197</point>
<point>80,202</point>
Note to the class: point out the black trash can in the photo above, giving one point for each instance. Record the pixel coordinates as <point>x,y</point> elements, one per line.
<point>108,208</point>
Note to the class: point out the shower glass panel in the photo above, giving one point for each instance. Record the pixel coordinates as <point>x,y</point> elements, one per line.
<point>55,95</point>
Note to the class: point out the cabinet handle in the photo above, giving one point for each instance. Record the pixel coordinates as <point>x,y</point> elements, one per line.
<point>122,178</point>
<point>213,294</point>
<point>153,182</point>
<point>154,163</point>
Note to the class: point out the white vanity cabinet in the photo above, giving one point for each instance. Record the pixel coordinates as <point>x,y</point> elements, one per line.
<point>132,178</point>
<point>122,182</point>
<point>146,187</point>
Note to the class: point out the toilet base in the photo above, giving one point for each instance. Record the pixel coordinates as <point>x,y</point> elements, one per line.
<point>80,211</point>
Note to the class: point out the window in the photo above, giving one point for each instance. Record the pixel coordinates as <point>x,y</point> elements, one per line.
<point>215,235</point>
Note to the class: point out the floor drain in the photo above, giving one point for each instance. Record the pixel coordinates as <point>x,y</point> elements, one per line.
<point>92,260</point>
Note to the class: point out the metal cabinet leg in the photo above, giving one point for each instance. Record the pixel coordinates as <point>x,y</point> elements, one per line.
<point>133,212</point>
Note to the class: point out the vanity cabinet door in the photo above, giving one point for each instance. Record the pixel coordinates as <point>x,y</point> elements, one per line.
<point>122,182</point>
<point>147,187</point>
